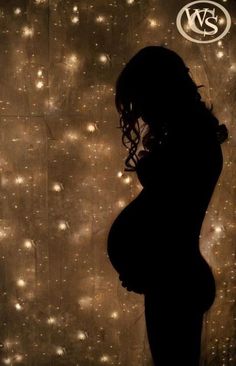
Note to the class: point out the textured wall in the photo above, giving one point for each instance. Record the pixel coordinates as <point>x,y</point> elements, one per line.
<point>60,158</point>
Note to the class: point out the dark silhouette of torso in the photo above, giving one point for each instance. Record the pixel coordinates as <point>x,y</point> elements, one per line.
<point>154,241</point>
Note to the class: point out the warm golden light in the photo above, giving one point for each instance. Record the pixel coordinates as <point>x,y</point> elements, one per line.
<point>27,32</point>
<point>21,282</point>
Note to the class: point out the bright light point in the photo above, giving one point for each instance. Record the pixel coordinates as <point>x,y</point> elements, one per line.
<point>19,180</point>
<point>75,8</point>
<point>103,58</point>
<point>127,180</point>
<point>100,19</point>
<point>219,43</point>
<point>18,358</point>
<point>62,225</point>
<point>72,61</point>
<point>81,335</point>
<point>220,54</point>
<point>60,351</point>
<point>130,1</point>
<point>40,72</point>
<point>21,282</point>
<point>51,320</point>
<point>27,32</point>
<point>91,127</point>
<point>85,302</point>
<point>121,203</point>
<point>57,187</point>
<point>114,315</point>
<point>7,361</point>
<point>233,67</point>
<point>153,23</point>
<point>39,1</point>
<point>39,84</point>
<point>18,307</point>
<point>17,11</point>
<point>73,136</point>
<point>75,19</point>
<point>104,358</point>
<point>218,229</point>
<point>119,174</point>
<point>28,244</point>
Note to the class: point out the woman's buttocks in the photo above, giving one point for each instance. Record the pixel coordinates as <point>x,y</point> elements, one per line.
<point>187,279</point>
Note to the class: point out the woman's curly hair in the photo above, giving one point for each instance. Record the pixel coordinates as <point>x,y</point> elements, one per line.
<point>154,78</point>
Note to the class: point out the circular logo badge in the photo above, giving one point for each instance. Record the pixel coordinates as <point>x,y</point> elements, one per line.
<point>203,21</point>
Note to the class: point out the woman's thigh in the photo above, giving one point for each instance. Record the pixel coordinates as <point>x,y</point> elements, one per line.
<point>174,331</point>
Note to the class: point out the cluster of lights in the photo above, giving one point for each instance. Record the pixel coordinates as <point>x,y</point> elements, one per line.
<point>100,19</point>
<point>72,61</point>
<point>19,180</point>
<point>82,335</point>
<point>75,16</point>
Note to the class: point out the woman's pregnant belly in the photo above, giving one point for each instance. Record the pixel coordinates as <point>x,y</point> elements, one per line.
<point>147,251</point>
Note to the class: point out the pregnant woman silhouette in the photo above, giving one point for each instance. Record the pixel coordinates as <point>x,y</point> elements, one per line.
<point>154,242</point>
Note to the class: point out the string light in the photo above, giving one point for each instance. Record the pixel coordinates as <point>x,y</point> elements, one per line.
<point>91,127</point>
<point>17,11</point>
<point>72,61</point>
<point>75,19</point>
<point>100,19</point>
<point>153,23</point>
<point>18,306</point>
<point>103,58</point>
<point>40,72</point>
<point>81,335</point>
<point>27,32</point>
<point>19,358</point>
<point>38,2</point>
<point>51,320</point>
<point>19,180</point>
<point>60,351</point>
<point>21,282</point>
<point>220,54</point>
<point>39,84</point>
<point>114,315</point>
<point>28,244</point>
<point>57,187</point>
<point>63,225</point>
<point>104,358</point>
